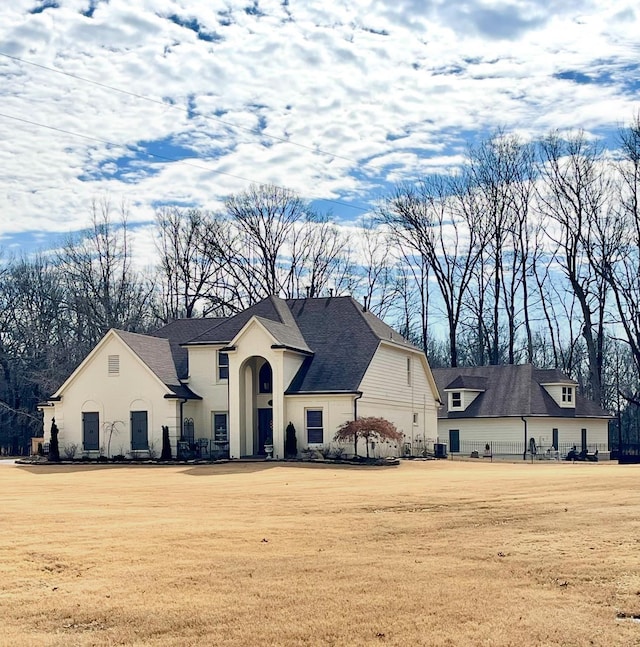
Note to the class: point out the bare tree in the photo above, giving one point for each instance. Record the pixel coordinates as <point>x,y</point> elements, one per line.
<point>266,218</point>
<point>501,169</point>
<point>318,250</point>
<point>102,288</point>
<point>575,193</point>
<point>615,245</point>
<point>430,217</point>
<point>187,267</point>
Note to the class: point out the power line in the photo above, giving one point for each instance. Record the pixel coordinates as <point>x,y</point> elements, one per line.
<point>167,158</point>
<point>181,108</point>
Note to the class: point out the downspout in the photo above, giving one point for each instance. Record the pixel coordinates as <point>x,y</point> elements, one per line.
<point>524,453</point>
<point>181,424</point>
<point>355,404</point>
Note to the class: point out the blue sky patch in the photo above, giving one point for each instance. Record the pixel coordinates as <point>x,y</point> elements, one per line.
<point>194,25</point>
<point>45,4</point>
<point>143,161</point>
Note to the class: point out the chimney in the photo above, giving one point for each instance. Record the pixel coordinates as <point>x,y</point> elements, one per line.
<point>330,292</point>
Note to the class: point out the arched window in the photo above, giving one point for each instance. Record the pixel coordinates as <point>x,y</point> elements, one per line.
<point>265,378</point>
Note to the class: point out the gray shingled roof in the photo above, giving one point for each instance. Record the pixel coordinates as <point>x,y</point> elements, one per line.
<point>270,308</point>
<point>511,390</point>
<point>340,336</point>
<point>181,331</point>
<point>473,382</point>
<point>288,335</point>
<point>343,338</point>
<point>155,352</point>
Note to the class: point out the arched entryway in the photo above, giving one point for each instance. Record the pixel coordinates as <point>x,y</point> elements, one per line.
<point>256,406</point>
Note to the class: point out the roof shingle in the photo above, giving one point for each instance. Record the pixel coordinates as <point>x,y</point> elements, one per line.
<point>512,390</point>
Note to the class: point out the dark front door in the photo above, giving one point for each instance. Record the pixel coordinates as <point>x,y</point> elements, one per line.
<point>454,441</point>
<point>139,430</point>
<point>554,439</point>
<point>91,431</point>
<point>265,428</point>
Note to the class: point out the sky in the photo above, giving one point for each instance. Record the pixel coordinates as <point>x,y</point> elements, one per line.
<point>183,102</point>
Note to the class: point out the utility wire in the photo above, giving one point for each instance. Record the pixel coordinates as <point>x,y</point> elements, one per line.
<point>167,158</point>
<point>181,108</point>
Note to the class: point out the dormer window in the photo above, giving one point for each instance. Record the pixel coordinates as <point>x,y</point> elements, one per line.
<point>456,400</point>
<point>567,394</point>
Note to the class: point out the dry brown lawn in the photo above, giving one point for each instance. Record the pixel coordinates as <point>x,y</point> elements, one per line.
<point>427,553</point>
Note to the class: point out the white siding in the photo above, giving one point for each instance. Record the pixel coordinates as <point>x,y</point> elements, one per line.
<point>466,398</point>
<point>555,391</point>
<point>387,393</point>
<point>511,430</point>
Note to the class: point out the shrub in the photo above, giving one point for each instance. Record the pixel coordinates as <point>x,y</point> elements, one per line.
<point>166,444</point>
<point>290,443</point>
<point>70,450</point>
<point>54,448</point>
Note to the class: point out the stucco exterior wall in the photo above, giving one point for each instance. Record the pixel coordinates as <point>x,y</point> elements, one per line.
<point>389,393</point>
<point>336,409</point>
<point>92,389</point>
<point>255,341</point>
<point>203,380</point>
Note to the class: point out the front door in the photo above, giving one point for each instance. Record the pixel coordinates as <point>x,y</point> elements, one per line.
<point>90,431</point>
<point>139,430</point>
<point>454,441</point>
<point>265,429</point>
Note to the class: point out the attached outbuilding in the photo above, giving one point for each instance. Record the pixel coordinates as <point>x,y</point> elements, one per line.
<point>517,410</point>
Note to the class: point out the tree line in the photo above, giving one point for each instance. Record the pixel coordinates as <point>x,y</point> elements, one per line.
<point>528,252</point>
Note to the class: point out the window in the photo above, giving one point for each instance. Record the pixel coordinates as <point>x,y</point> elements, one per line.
<point>409,371</point>
<point>567,394</point>
<point>266,378</point>
<point>114,364</point>
<point>223,366</point>
<point>415,418</point>
<point>456,400</point>
<point>315,432</point>
<point>220,433</point>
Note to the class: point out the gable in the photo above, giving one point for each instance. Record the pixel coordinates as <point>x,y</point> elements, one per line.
<point>401,375</point>
<point>96,366</point>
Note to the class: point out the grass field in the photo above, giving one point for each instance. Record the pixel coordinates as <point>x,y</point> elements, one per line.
<point>427,553</point>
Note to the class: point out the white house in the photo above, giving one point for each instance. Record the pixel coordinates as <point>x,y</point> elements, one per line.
<point>230,385</point>
<point>514,408</point>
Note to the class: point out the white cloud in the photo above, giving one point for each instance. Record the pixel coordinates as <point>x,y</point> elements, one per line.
<point>392,90</point>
